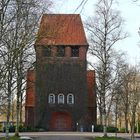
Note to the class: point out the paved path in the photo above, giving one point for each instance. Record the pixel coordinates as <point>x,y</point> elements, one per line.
<point>62,138</point>
<point>69,135</point>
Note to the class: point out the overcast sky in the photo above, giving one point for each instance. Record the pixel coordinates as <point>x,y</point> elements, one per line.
<point>129,11</point>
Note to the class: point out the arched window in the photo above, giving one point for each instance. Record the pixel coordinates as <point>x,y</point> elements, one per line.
<point>70,99</point>
<point>51,98</point>
<point>60,99</point>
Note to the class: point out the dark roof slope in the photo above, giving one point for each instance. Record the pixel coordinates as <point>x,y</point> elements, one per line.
<point>61,29</point>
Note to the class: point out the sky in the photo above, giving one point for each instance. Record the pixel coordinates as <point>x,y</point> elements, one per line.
<point>129,11</point>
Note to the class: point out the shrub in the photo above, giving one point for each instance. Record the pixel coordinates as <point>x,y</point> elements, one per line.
<point>112,129</point>
<point>12,128</point>
<point>1,127</point>
<point>98,128</point>
<point>122,130</point>
<point>22,128</point>
<point>139,127</point>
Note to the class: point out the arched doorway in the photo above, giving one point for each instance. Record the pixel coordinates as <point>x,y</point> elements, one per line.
<point>61,121</point>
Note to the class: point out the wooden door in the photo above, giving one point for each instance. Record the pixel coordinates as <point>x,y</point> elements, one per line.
<point>61,121</point>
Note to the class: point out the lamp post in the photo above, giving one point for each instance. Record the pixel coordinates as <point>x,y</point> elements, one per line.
<point>77,126</point>
<point>92,128</point>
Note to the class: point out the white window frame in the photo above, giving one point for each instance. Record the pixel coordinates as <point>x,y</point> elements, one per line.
<point>61,101</point>
<point>68,97</point>
<point>53,98</point>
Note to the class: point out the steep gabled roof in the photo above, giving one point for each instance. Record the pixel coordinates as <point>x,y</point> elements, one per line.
<point>61,29</point>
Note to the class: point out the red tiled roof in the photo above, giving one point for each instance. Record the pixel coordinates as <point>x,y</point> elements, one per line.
<point>61,29</point>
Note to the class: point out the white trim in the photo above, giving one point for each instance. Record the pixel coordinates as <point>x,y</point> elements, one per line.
<point>72,99</point>
<point>51,101</point>
<point>61,101</point>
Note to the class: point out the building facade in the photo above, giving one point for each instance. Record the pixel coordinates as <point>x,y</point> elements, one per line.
<point>60,91</point>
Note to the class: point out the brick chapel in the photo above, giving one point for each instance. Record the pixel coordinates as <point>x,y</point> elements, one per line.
<point>60,93</point>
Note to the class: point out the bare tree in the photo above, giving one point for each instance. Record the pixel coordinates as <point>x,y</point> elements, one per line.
<point>105,31</point>
<point>118,86</point>
<point>129,97</point>
<point>138,116</point>
<point>134,95</point>
<point>19,21</point>
<point>125,95</point>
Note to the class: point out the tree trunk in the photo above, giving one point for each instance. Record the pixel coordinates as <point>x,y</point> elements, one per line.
<point>20,114</point>
<point>17,118</point>
<point>12,110</point>
<point>104,125</point>
<point>104,119</point>
<point>8,119</point>
<point>9,103</point>
<point>21,98</point>
<point>133,123</point>
<point>101,116</point>
<point>126,121</point>
<point>116,117</point>
<point>19,90</point>
<point>138,123</point>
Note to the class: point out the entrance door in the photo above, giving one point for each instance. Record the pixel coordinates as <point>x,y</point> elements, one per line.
<point>61,121</point>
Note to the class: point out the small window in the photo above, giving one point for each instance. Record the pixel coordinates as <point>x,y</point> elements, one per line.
<point>51,99</point>
<point>61,51</point>
<point>47,51</point>
<point>60,99</point>
<point>70,99</point>
<point>75,51</point>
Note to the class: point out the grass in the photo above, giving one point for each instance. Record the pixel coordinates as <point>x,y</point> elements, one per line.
<point>108,138</point>
<point>11,138</point>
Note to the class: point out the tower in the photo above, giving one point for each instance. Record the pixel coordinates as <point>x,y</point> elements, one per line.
<point>61,97</point>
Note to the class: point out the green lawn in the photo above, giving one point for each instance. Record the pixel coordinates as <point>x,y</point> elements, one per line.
<point>107,138</point>
<point>11,138</point>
